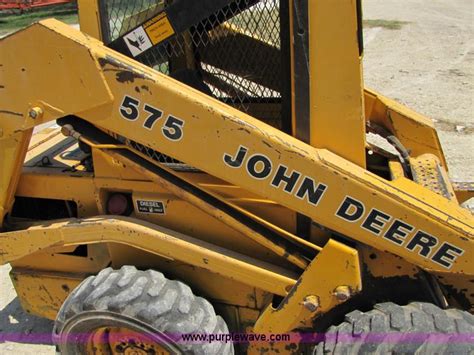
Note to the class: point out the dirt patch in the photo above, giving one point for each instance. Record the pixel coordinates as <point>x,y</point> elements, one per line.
<point>387,24</point>
<point>457,127</point>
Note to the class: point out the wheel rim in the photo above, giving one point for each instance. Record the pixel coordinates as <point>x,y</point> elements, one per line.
<point>110,333</point>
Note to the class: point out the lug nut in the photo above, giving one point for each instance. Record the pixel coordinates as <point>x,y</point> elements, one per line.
<point>35,112</point>
<point>311,303</point>
<point>342,293</point>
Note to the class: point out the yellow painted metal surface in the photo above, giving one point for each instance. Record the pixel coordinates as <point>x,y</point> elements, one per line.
<point>220,215</point>
<point>407,226</point>
<point>396,170</point>
<point>44,299</point>
<point>63,259</point>
<point>12,151</point>
<point>42,294</point>
<point>90,192</point>
<point>89,18</point>
<point>146,236</point>
<point>223,129</point>
<point>316,291</point>
<point>427,171</point>
<point>336,86</point>
<point>214,287</point>
<point>382,264</point>
<point>463,190</point>
<point>416,132</point>
<point>459,285</point>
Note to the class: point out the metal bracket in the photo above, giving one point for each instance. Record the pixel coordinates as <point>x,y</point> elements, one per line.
<point>322,286</point>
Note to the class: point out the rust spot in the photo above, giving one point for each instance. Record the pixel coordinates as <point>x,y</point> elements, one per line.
<point>108,60</point>
<point>291,347</point>
<point>126,76</point>
<point>43,288</point>
<point>289,295</point>
<point>125,72</point>
<point>245,130</point>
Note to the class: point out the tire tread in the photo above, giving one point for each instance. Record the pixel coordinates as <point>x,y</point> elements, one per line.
<point>167,305</point>
<point>388,319</point>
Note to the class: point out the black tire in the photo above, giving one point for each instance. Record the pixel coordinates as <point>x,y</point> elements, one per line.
<point>143,301</point>
<point>413,329</point>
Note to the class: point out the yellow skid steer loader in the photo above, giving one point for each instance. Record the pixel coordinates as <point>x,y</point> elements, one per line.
<point>208,187</point>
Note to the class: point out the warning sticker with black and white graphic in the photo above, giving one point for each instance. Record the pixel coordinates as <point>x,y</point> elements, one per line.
<point>146,206</point>
<point>137,41</point>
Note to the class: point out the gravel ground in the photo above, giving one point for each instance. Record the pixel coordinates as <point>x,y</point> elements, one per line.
<point>427,65</point>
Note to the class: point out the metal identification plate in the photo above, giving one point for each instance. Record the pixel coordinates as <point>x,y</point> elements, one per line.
<point>146,206</point>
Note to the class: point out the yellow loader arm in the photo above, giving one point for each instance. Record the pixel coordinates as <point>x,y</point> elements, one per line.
<point>49,71</point>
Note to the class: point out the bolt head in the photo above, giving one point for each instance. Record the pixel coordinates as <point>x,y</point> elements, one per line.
<point>35,112</point>
<point>342,293</point>
<point>311,303</point>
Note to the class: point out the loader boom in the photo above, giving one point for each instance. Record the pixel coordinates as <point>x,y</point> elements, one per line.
<point>224,149</point>
<point>118,95</point>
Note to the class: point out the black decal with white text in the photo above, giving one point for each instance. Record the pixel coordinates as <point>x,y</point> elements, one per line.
<point>146,206</point>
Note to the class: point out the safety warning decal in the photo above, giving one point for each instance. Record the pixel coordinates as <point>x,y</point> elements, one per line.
<point>145,206</point>
<point>151,33</point>
<point>137,41</point>
<point>159,28</point>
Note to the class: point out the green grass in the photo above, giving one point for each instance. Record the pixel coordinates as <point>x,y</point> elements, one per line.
<point>11,22</point>
<point>388,24</point>
<point>68,14</point>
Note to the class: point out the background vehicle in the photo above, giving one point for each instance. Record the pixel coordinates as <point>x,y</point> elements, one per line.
<point>23,5</point>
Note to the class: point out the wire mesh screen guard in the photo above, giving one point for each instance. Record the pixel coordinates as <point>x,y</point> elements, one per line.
<point>233,55</point>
